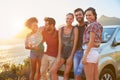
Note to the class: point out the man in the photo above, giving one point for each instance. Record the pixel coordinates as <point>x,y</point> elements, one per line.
<point>78,67</point>
<point>50,36</point>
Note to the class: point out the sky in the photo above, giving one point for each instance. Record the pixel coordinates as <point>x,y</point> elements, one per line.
<point>13,13</point>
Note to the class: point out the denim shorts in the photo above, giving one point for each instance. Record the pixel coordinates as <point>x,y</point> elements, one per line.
<point>78,66</point>
<point>36,54</point>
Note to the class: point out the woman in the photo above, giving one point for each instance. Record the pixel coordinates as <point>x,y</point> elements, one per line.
<point>68,36</point>
<point>36,52</point>
<point>92,39</point>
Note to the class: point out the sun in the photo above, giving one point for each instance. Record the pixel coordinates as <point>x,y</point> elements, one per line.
<point>12,30</point>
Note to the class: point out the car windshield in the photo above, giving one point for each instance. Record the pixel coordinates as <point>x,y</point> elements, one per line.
<point>107,34</point>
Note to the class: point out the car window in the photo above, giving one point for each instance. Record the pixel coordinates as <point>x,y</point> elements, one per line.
<point>117,39</point>
<point>107,34</point>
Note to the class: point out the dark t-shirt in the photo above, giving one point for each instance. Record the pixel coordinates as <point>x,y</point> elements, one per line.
<point>51,40</point>
<point>80,35</point>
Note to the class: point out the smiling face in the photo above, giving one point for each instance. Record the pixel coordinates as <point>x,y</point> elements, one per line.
<point>48,27</point>
<point>69,19</point>
<point>79,16</point>
<point>49,24</point>
<point>90,16</point>
<point>34,26</point>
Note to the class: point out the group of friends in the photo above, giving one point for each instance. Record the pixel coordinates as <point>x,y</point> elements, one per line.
<point>75,46</point>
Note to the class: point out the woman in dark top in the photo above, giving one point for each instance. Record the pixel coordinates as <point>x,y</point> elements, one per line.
<point>68,36</point>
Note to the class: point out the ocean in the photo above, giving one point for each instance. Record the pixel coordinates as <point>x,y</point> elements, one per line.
<point>13,51</point>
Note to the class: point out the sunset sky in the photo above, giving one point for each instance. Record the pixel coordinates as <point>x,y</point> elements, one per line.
<point>13,13</point>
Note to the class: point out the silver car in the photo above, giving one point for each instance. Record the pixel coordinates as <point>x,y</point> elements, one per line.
<point>109,62</point>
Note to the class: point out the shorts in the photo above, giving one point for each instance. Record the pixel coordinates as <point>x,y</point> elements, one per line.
<point>78,66</point>
<point>66,52</point>
<point>93,56</point>
<point>47,63</point>
<point>36,54</point>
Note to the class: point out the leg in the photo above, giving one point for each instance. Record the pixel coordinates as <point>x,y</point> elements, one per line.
<point>78,66</point>
<point>79,71</point>
<point>89,70</point>
<point>96,71</point>
<point>67,70</point>
<point>32,68</point>
<point>55,68</point>
<point>51,62</point>
<point>44,67</point>
<point>38,69</point>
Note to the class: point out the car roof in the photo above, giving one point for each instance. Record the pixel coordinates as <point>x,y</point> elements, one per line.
<point>112,26</point>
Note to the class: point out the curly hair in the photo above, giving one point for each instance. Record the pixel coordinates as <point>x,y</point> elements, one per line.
<point>30,21</point>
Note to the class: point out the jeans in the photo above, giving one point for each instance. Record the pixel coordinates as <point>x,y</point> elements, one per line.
<point>78,66</point>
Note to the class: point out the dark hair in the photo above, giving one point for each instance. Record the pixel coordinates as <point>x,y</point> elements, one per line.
<point>70,14</point>
<point>93,11</point>
<point>79,9</point>
<point>30,21</point>
<point>50,20</point>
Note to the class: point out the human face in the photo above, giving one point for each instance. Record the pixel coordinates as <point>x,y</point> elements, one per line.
<point>34,26</point>
<point>89,16</point>
<point>48,27</point>
<point>79,16</point>
<point>69,19</point>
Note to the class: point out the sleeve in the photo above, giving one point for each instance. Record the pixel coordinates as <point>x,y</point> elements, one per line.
<point>93,27</point>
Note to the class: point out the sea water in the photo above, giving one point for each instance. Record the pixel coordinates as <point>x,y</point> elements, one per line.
<point>13,53</point>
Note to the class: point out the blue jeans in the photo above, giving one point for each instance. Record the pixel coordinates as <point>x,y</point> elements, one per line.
<point>78,66</point>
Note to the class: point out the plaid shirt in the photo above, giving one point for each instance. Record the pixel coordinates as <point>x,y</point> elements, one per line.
<point>97,29</point>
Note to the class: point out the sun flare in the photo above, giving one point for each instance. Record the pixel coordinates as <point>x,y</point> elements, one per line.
<point>11,31</point>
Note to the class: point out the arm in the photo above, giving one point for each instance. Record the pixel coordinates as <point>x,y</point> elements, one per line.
<point>26,43</point>
<point>59,43</point>
<point>90,44</point>
<point>75,42</point>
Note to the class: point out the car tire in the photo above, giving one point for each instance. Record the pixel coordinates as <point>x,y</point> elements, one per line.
<point>107,74</point>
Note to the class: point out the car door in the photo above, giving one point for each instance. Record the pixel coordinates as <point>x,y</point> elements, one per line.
<point>117,51</point>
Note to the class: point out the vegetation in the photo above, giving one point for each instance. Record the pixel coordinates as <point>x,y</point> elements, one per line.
<point>15,72</point>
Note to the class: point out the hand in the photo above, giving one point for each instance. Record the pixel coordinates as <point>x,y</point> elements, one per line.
<point>28,46</point>
<point>58,60</point>
<point>69,60</point>
<point>35,48</point>
<point>84,60</point>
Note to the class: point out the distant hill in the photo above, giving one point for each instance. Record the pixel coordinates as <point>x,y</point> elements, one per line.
<point>104,20</point>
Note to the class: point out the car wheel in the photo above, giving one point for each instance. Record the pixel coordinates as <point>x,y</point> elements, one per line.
<point>107,74</point>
